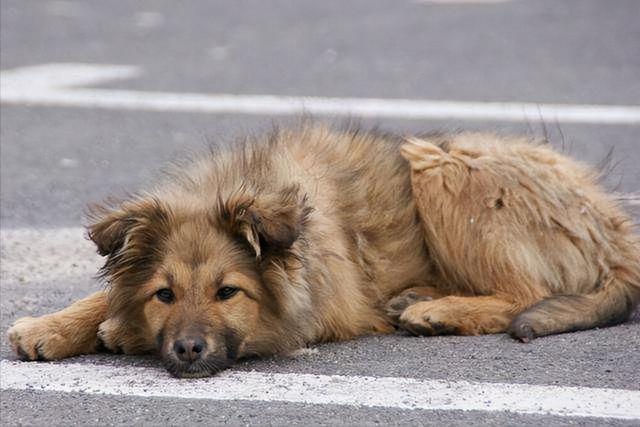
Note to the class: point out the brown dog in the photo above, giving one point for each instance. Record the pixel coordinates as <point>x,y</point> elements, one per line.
<point>313,235</point>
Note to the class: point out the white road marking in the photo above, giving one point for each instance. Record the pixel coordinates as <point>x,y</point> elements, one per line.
<point>389,392</point>
<point>60,85</point>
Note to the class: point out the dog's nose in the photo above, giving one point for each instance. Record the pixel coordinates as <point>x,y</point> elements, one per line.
<point>189,349</point>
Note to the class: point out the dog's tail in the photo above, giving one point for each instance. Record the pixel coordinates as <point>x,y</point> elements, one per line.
<point>613,303</point>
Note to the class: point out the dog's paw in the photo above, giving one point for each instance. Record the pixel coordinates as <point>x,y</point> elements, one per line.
<point>427,318</point>
<point>117,336</point>
<point>397,305</point>
<point>108,335</point>
<point>37,338</point>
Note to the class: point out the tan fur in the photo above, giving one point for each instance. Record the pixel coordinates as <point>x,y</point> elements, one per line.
<point>523,225</point>
<point>331,235</point>
<point>62,334</point>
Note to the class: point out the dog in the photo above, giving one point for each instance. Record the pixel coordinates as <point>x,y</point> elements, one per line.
<point>313,234</point>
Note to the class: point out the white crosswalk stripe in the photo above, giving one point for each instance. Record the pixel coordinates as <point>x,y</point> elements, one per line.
<point>402,393</point>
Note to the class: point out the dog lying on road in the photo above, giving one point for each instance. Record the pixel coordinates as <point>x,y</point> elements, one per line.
<point>313,235</point>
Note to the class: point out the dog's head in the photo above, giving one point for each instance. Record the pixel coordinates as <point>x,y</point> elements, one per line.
<point>202,283</point>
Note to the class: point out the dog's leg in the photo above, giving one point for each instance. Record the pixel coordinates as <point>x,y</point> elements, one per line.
<point>459,316</point>
<point>66,333</point>
<point>398,304</point>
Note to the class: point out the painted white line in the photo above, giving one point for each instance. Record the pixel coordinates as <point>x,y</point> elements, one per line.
<point>404,393</point>
<point>41,256</point>
<point>59,85</point>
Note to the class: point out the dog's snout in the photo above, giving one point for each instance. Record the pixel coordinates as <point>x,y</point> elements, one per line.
<point>189,349</point>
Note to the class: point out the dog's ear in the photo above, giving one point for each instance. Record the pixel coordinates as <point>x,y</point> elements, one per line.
<point>269,222</point>
<point>127,235</point>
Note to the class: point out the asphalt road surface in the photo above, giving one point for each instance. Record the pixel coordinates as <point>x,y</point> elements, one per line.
<point>71,136</point>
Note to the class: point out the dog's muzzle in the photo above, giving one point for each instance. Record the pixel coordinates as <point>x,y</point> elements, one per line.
<point>190,357</point>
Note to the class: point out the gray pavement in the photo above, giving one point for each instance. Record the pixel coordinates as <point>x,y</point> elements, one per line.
<point>55,160</point>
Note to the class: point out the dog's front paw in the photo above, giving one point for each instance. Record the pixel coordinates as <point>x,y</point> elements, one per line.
<point>38,338</point>
<point>427,318</point>
<point>118,336</point>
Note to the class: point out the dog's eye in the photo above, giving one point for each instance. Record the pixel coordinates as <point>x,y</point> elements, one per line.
<point>226,292</point>
<point>165,295</point>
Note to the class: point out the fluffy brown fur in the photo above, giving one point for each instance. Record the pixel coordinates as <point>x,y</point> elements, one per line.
<point>314,235</point>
